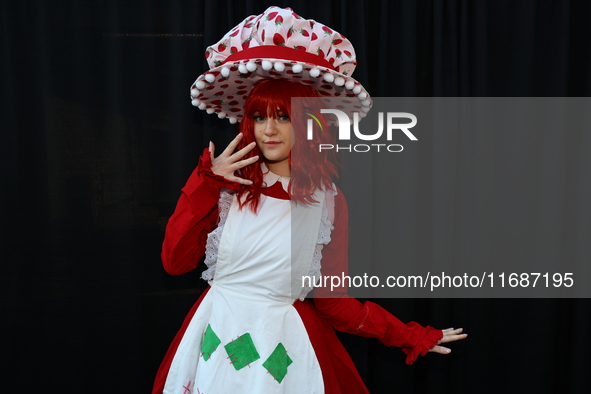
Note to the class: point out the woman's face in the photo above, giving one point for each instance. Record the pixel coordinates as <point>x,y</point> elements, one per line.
<point>274,139</point>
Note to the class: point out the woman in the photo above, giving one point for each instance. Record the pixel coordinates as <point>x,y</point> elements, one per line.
<point>263,215</point>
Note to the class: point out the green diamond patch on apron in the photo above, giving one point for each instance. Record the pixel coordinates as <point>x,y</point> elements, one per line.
<point>241,351</point>
<point>210,343</point>
<point>277,363</point>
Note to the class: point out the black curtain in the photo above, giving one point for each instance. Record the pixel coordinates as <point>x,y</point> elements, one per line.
<point>98,137</point>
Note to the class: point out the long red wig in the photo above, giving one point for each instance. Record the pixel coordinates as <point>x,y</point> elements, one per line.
<point>310,169</point>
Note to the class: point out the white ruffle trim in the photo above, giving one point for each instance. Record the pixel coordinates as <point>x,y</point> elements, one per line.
<point>323,239</point>
<point>213,241</point>
<point>213,238</point>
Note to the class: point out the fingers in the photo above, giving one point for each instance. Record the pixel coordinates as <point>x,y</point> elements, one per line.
<point>440,350</point>
<point>232,145</point>
<point>211,150</point>
<point>228,162</point>
<point>243,163</point>
<point>451,335</point>
<point>238,155</point>
<point>229,151</point>
<point>452,331</point>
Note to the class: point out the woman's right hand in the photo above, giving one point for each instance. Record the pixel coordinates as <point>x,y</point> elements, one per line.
<point>229,161</point>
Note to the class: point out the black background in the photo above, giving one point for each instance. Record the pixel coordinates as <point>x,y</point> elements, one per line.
<point>98,137</point>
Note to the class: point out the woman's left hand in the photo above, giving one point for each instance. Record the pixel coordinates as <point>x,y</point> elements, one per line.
<point>449,335</point>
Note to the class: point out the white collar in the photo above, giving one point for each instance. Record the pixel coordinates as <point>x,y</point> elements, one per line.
<point>270,178</point>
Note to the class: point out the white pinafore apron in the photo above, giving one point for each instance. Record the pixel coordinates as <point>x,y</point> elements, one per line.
<point>246,337</point>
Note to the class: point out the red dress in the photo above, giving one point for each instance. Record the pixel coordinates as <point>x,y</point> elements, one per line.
<point>196,215</point>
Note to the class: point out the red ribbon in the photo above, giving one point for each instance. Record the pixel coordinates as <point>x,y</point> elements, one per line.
<point>279,52</point>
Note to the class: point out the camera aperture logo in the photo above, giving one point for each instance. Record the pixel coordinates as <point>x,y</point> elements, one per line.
<point>344,133</point>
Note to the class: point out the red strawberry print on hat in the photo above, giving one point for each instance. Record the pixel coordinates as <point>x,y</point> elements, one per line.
<point>222,47</point>
<point>271,16</point>
<point>336,41</point>
<point>305,33</point>
<point>278,20</point>
<point>278,40</point>
<point>327,30</point>
<point>314,37</point>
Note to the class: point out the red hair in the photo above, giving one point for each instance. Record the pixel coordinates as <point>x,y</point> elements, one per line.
<point>310,170</point>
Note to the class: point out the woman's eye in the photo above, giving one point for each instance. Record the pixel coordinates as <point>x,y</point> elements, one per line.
<point>258,118</point>
<point>284,118</point>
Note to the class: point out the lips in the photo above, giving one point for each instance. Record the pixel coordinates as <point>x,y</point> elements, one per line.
<point>272,143</point>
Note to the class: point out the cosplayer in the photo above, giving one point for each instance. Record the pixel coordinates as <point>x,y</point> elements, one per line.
<point>263,210</point>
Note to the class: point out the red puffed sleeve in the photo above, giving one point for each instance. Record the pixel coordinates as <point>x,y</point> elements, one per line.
<point>195,216</point>
<point>365,319</point>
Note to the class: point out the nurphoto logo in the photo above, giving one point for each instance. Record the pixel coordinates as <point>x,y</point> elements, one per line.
<point>344,134</point>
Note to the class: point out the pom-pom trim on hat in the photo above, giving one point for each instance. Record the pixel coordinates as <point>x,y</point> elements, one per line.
<point>224,97</point>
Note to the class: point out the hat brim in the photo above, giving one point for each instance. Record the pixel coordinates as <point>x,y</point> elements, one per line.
<point>224,89</point>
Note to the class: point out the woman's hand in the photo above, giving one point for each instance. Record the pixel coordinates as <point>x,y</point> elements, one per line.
<point>449,335</point>
<point>228,162</point>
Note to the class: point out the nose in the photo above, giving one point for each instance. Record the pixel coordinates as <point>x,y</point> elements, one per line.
<point>271,126</point>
